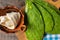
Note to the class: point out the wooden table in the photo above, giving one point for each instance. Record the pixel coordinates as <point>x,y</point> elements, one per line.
<point>54,2</point>
<point>19,3</point>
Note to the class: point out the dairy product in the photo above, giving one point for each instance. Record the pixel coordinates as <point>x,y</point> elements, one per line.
<point>10,20</point>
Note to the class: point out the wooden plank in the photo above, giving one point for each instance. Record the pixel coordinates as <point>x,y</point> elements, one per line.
<point>7,36</point>
<point>21,35</point>
<point>19,4</point>
<point>56,3</point>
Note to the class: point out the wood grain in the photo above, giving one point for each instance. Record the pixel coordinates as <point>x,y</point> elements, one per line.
<point>56,3</point>
<point>21,35</point>
<point>19,3</point>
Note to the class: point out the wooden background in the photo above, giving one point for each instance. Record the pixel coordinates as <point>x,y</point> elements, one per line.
<point>19,3</point>
<point>54,2</point>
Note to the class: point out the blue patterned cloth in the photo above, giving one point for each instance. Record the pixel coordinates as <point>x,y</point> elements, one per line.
<point>52,37</point>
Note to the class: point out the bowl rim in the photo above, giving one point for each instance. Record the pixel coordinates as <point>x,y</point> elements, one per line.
<point>21,22</point>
